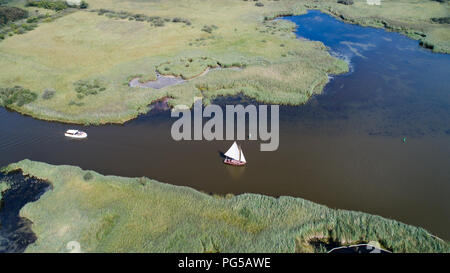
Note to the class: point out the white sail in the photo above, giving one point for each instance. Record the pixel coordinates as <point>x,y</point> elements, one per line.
<point>242,156</point>
<point>235,153</point>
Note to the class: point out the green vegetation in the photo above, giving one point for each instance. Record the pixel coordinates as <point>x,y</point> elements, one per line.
<point>142,79</point>
<point>12,29</point>
<point>117,214</point>
<point>3,188</point>
<point>20,19</point>
<point>46,4</point>
<point>86,88</point>
<point>48,94</point>
<point>181,20</point>
<point>141,37</point>
<point>209,29</point>
<point>87,176</point>
<point>187,68</point>
<point>156,21</point>
<point>84,5</point>
<point>83,45</point>
<point>441,20</point>
<point>345,2</point>
<point>11,14</point>
<point>16,95</point>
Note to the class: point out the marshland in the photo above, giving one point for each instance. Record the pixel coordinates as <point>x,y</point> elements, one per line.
<point>117,214</point>
<point>361,91</point>
<point>279,67</point>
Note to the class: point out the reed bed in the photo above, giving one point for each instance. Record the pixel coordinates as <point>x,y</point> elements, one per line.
<point>118,214</point>
<point>85,45</point>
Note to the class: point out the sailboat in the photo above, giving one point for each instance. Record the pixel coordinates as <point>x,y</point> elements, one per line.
<point>235,156</point>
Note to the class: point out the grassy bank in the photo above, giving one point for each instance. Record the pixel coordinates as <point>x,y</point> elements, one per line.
<point>117,214</point>
<point>3,187</point>
<point>110,42</point>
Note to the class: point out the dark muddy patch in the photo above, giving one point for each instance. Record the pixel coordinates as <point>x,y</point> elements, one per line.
<point>328,245</point>
<point>160,105</point>
<point>15,231</point>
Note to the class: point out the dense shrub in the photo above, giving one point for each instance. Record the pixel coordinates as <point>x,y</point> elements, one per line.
<point>74,103</point>
<point>209,29</point>
<point>426,44</point>
<point>20,27</point>
<point>76,4</point>
<point>33,19</point>
<point>85,88</point>
<point>181,20</point>
<point>156,21</point>
<point>84,5</point>
<point>441,20</point>
<point>28,27</point>
<point>142,181</point>
<point>345,2</point>
<point>88,176</point>
<point>16,95</point>
<point>10,14</point>
<point>48,94</point>
<point>45,4</point>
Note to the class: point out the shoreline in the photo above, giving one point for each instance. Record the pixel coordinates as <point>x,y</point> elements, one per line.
<point>65,178</point>
<point>386,26</point>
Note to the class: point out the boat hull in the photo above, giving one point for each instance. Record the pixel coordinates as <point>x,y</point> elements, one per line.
<point>233,162</point>
<point>84,135</point>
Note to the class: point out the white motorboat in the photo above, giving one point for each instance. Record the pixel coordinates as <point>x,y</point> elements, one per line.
<point>75,134</point>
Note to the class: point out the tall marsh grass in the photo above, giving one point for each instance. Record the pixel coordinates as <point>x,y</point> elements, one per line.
<point>104,53</point>
<point>117,214</point>
<point>237,32</point>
